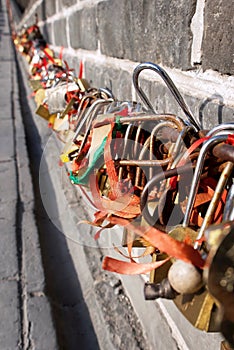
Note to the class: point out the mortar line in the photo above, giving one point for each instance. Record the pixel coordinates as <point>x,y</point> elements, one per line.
<point>197,28</point>
<point>198,84</point>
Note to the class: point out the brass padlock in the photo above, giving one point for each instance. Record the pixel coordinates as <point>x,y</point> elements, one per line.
<point>83,84</point>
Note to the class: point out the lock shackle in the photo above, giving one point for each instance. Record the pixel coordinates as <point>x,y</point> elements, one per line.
<point>107,92</point>
<point>225,127</point>
<point>95,105</point>
<point>159,70</point>
<point>153,182</point>
<point>197,173</point>
<point>228,211</point>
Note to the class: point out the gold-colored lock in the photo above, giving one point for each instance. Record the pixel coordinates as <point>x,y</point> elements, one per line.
<point>68,107</point>
<point>43,112</point>
<point>199,309</point>
<point>83,84</point>
<point>40,96</point>
<point>49,52</point>
<point>69,149</point>
<point>35,84</point>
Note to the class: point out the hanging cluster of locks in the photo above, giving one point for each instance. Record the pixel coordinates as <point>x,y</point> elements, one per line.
<point>164,180</point>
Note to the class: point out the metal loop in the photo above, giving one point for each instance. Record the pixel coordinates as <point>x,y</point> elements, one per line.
<point>197,173</point>
<point>170,85</point>
<point>91,110</point>
<point>228,212</point>
<point>228,127</point>
<point>150,218</point>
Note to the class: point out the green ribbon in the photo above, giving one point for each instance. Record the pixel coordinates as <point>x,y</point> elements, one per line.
<point>83,180</point>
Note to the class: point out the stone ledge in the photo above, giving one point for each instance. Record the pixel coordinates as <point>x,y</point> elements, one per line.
<point>208,95</point>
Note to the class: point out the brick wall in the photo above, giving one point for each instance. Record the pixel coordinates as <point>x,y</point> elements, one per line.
<point>192,40</point>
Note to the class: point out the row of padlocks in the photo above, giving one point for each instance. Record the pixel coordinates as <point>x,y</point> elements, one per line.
<point>162,178</point>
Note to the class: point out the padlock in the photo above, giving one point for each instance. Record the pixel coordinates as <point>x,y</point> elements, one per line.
<point>35,84</point>
<point>56,96</point>
<point>205,314</point>
<point>162,73</point>
<point>219,275</point>
<point>83,84</point>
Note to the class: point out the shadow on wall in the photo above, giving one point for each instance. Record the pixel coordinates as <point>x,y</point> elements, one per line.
<point>43,15</point>
<point>22,4</point>
<point>208,108</point>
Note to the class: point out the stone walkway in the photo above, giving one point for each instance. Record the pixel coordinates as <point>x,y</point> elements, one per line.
<point>26,320</point>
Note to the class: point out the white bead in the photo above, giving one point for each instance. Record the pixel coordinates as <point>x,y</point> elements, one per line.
<point>184,277</point>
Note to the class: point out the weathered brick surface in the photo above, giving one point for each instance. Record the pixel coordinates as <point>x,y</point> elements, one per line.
<point>213,113</point>
<point>218,43</point>
<point>149,30</point>
<point>209,112</point>
<point>46,30</point>
<point>107,77</point>
<point>111,27</point>
<point>40,11</point>
<point>10,316</point>
<point>60,37</point>
<point>49,7</point>
<point>23,3</point>
<point>39,314</point>
<point>44,10</point>
<point>66,3</point>
<point>140,30</point>
<point>83,29</point>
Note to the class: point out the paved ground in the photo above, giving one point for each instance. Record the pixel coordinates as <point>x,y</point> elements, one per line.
<point>26,318</point>
<point>53,293</point>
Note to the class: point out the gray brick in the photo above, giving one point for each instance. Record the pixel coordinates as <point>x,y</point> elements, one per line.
<point>227,115</point>
<point>66,3</point>
<point>123,85</point>
<point>209,112</point>
<point>111,25</point>
<point>83,29</point>
<point>6,137</point>
<point>72,61</point>
<point>94,73</point>
<point>108,77</point>
<point>213,112</point>
<point>5,96</point>
<point>10,318</point>
<point>23,3</point>
<point>60,37</point>
<point>148,30</point>
<point>44,10</point>
<point>8,188</point>
<point>40,11</point>
<point>42,331</point>
<point>218,43</point>
<point>118,81</point>
<point>49,7</point>
<point>167,35</point>
<point>159,97</point>
<point>8,249</point>
<point>46,31</point>
<point>33,261</point>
